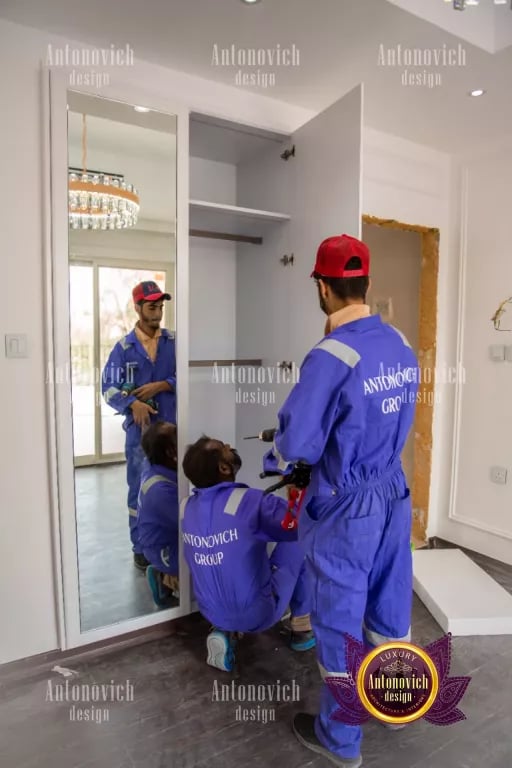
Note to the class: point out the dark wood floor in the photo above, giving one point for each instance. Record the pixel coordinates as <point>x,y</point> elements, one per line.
<point>174,720</point>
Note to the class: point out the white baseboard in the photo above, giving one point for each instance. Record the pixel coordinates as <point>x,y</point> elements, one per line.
<point>462,597</point>
<point>468,536</point>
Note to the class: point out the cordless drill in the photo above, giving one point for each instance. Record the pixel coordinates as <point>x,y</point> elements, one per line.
<point>128,388</point>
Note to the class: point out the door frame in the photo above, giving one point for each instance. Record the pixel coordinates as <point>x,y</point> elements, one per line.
<point>427,336</point>
<point>55,85</point>
<point>96,262</point>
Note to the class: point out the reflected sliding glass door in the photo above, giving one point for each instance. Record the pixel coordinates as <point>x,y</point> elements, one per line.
<point>101,312</point>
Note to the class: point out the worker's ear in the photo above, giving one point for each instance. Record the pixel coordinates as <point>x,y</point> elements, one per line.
<point>225,469</point>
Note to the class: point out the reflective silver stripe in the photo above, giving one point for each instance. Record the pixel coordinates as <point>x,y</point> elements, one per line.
<point>270,547</point>
<point>132,512</point>
<point>110,393</point>
<point>164,556</point>
<point>326,674</point>
<point>404,338</point>
<point>235,498</point>
<point>375,638</point>
<point>281,463</point>
<point>124,344</point>
<point>146,485</point>
<point>183,504</point>
<point>340,350</point>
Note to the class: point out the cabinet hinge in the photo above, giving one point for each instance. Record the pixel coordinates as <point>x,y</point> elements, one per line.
<point>288,153</point>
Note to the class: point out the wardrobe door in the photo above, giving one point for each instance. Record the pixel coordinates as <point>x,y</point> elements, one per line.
<point>326,200</point>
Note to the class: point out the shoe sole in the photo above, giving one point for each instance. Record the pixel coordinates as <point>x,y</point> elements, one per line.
<point>319,750</point>
<point>217,650</point>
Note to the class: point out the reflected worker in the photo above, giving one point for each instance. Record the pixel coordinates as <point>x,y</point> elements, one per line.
<point>139,382</point>
<point>226,527</point>
<point>158,511</point>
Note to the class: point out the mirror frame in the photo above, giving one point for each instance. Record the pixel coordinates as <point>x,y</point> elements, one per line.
<point>55,87</point>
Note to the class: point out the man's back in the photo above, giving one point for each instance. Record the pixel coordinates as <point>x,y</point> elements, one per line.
<point>353,408</point>
<point>225,531</point>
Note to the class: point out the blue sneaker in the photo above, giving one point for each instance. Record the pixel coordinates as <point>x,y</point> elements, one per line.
<point>160,593</point>
<point>302,641</point>
<point>221,654</point>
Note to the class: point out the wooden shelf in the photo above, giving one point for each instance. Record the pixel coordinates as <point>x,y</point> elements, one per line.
<point>236,223</point>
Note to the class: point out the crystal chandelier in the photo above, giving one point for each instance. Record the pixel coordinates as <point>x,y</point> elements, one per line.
<point>99,200</point>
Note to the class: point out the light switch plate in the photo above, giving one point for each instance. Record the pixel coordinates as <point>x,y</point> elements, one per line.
<point>497,352</point>
<point>16,345</point>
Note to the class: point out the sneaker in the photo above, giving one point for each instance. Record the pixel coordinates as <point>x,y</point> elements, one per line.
<point>302,641</point>
<point>161,594</point>
<point>221,654</point>
<point>304,729</point>
<point>140,561</point>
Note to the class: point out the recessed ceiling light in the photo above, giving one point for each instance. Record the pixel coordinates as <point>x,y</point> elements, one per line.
<point>142,109</point>
<point>250,2</point>
<point>477,92</point>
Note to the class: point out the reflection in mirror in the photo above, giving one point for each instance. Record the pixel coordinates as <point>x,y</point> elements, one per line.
<point>122,210</point>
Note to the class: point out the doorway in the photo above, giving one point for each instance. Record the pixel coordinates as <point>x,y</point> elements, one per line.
<point>405,263</point>
<point>101,313</point>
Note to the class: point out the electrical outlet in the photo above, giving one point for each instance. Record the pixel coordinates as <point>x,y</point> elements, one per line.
<point>499,475</point>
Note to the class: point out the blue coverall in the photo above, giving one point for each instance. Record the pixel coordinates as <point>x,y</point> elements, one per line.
<point>129,365</point>
<point>238,587</point>
<point>349,417</point>
<point>158,517</point>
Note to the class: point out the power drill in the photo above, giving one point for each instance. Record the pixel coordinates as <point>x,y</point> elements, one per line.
<point>128,388</point>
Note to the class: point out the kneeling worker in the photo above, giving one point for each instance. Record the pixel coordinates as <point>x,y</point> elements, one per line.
<point>226,527</point>
<point>158,510</point>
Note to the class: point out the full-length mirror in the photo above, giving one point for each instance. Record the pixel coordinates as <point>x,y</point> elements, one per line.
<point>122,259</point>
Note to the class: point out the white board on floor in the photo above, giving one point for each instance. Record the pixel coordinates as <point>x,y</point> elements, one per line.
<point>461,596</point>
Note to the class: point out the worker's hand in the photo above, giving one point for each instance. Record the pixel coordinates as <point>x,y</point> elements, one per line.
<point>141,413</point>
<point>147,391</point>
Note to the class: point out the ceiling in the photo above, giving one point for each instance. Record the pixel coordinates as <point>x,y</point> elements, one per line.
<point>141,147</point>
<point>340,43</point>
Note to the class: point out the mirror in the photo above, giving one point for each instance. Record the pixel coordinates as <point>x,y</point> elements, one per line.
<point>122,259</point>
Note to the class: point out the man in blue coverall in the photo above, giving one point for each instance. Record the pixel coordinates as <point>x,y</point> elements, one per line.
<point>226,527</point>
<point>158,511</point>
<point>139,382</point>
<point>349,417</point>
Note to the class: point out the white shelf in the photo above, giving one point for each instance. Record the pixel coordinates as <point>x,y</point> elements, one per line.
<point>232,219</point>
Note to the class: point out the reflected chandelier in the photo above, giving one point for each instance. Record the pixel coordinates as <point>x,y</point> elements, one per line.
<point>100,200</point>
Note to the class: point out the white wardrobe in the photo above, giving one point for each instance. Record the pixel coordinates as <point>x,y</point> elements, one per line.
<point>260,204</point>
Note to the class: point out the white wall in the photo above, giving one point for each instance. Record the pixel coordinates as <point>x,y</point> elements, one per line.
<point>416,185</point>
<point>481,517</point>
<point>29,625</point>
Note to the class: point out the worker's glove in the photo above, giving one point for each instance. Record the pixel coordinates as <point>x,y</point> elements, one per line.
<point>271,465</point>
<point>300,476</point>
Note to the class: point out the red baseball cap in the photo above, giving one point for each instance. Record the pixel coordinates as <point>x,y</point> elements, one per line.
<point>148,291</point>
<point>334,253</point>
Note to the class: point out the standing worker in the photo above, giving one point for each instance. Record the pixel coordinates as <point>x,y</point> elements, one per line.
<point>349,418</point>
<point>139,382</point>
